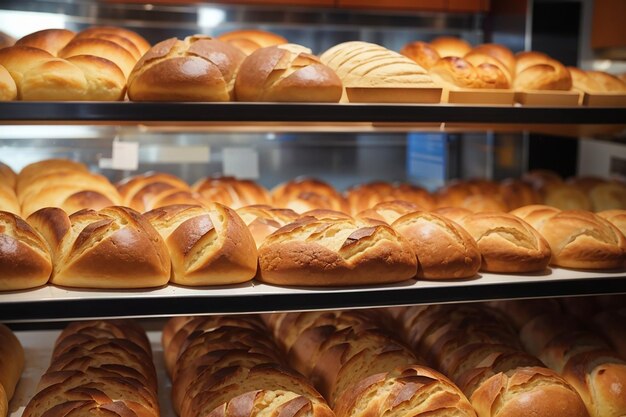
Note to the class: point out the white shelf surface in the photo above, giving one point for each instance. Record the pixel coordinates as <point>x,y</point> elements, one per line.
<point>55,303</point>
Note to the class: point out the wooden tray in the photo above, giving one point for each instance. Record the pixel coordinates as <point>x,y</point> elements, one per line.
<point>480,96</point>
<point>604,100</point>
<point>394,95</point>
<point>547,98</point>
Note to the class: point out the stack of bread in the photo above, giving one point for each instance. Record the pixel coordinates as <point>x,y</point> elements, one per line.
<point>583,358</point>
<point>230,367</point>
<point>11,366</point>
<point>98,368</point>
<point>479,350</point>
<point>360,369</point>
<point>58,64</point>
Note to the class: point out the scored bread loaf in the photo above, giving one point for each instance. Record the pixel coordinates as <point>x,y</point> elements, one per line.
<point>262,220</point>
<point>155,189</point>
<point>443,249</point>
<point>12,361</point>
<point>566,197</point>
<point>616,217</point>
<point>249,40</point>
<point>286,72</point>
<point>208,245</point>
<point>197,68</point>
<point>24,258</point>
<point>388,212</point>
<point>305,194</point>
<point>232,192</point>
<point>537,71</point>
<point>112,248</point>
<point>8,200</point>
<point>312,252</point>
<point>579,239</point>
<point>450,46</point>
<point>455,72</point>
<point>422,53</point>
<point>8,89</point>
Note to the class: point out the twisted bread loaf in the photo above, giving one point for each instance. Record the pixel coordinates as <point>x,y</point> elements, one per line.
<point>232,192</point>
<point>286,73</point>
<point>197,68</point>
<point>304,194</point>
<point>422,53</point>
<point>249,40</point>
<point>311,252</point>
<point>537,71</point>
<point>24,258</point>
<point>262,220</point>
<point>112,248</point>
<point>207,245</point>
<point>11,366</point>
<point>454,72</point>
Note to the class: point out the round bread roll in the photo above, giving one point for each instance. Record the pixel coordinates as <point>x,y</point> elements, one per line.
<point>208,245</point>
<point>304,194</point>
<point>104,32</point>
<point>249,40</point>
<point>388,212</point>
<point>530,391</point>
<point>579,239</point>
<point>152,190</point>
<point>507,243</point>
<point>422,53</point>
<point>450,46</point>
<point>9,201</point>
<point>262,221</point>
<point>443,249</point>
<point>454,72</point>
<point>608,196</point>
<point>232,192</point>
<point>537,71</point>
<point>8,178</point>
<point>11,362</point>
<point>497,51</point>
<point>516,193</point>
<point>286,72</point>
<point>566,197</point>
<point>50,40</point>
<point>197,68</point>
<point>112,248</point>
<point>8,89</point>
<point>24,259</point>
<point>311,252</point>
<point>102,48</point>
<point>32,171</point>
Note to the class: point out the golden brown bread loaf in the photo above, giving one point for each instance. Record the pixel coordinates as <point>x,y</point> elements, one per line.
<point>443,249</point>
<point>50,40</point>
<point>365,196</point>
<point>8,89</point>
<point>612,325</point>
<point>537,71</point>
<point>119,35</point>
<point>579,239</point>
<point>262,220</point>
<point>11,366</point>
<point>540,179</point>
<point>112,248</point>
<point>362,64</point>
<point>566,197</point>
<point>152,190</point>
<point>596,82</point>
<point>586,183</point>
<point>32,171</point>
<point>304,194</point>
<point>312,252</point>
<point>232,192</point>
<point>455,72</point>
<point>207,245</point>
<point>8,200</point>
<point>517,193</point>
<point>616,217</point>
<point>289,73</point>
<point>24,258</point>
<point>249,40</point>
<point>101,48</point>
<point>8,178</point>
<point>422,53</point>
<point>481,60</point>
<point>608,196</point>
<point>498,52</point>
<point>387,212</point>
<point>197,68</point>
<point>450,46</point>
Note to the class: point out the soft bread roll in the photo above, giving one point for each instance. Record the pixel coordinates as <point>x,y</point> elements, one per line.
<point>366,196</point>
<point>208,245</point>
<point>102,48</point>
<point>388,212</point>
<point>286,73</point>
<point>249,40</point>
<point>422,53</point>
<point>579,239</point>
<point>8,178</point>
<point>338,253</point>
<point>8,89</point>
<point>112,248</point>
<point>517,193</point>
<point>39,76</point>
<point>537,71</point>
<point>50,40</point>
<point>497,51</point>
<point>232,192</point>
<point>523,392</point>
<point>111,32</point>
<point>32,171</point>
<point>450,46</point>
<point>566,197</point>
<point>362,64</point>
<point>197,68</point>
<point>443,249</point>
<point>304,194</point>
<point>454,72</point>
<point>24,258</point>
<point>156,189</point>
<point>8,200</point>
<point>608,196</point>
<point>507,243</point>
<point>11,363</point>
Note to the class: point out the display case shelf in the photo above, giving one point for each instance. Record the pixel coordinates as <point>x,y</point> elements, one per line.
<point>52,303</point>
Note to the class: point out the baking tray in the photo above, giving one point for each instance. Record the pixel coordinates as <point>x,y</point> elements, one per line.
<point>52,303</point>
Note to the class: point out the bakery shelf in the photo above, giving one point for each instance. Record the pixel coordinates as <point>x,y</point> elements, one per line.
<point>58,304</point>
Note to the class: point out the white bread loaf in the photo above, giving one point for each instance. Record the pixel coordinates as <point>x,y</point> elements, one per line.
<point>112,248</point>
<point>207,245</point>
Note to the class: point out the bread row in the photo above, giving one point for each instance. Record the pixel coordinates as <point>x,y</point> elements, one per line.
<point>103,63</point>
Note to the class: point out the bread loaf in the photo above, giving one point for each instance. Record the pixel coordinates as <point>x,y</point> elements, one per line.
<point>232,192</point>
<point>608,196</point>
<point>48,166</point>
<point>304,194</point>
<point>498,52</point>
<point>197,68</point>
<point>483,61</point>
<point>262,221</point>
<point>450,46</point>
<point>566,197</point>
<point>517,193</point>
<point>154,189</point>
<point>11,366</point>
<point>286,72</point>
<point>388,211</point>
<point>540,179</point>
<point>8,200</point>
<point>365,196</point>
<point>443,249</point>
<point>362,64</point>
<point>112,248</point>
<point>8,178</point>
<point>119,35</point>
<point>24,258</point>
<point>335,253</point>
<point>596,81</point>
<point>422,53</point>
<point>454,72</point>
<point>249,40</point>
<point>537,71</point>
<point>50,40</point>
<point>579,239</point>
<point>208,245</point>
<point>8,89</point>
